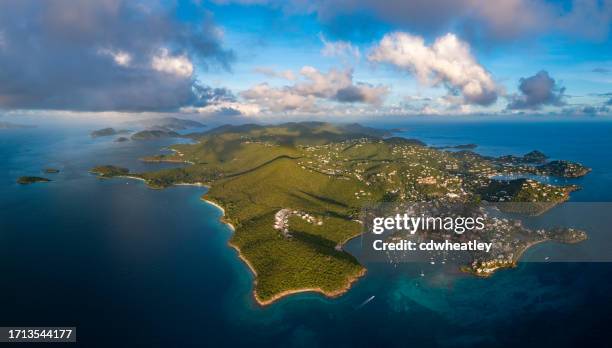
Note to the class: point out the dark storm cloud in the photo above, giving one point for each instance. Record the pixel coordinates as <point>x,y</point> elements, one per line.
<point>349,95</point>
<point>99,56</point>
<point>352,94</point>
<point>536,91</point>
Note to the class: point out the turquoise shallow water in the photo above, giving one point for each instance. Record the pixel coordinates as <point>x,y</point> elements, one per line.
<point>131,266</point>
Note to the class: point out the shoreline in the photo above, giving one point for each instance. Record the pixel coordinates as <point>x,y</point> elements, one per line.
<point>514,263</point>
<point>280,295</point>
<point>519,256</point>
<point>197,184</point>
<point>329,294</point>
<point>222,219</point>
<point>131,177</point>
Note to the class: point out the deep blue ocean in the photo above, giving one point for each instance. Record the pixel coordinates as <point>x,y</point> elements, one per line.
<point>135,267</point>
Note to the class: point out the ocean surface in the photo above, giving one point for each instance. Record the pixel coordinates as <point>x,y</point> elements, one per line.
<point>136,267</point>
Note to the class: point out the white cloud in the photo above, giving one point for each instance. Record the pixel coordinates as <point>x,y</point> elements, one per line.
<point>448,61</point>
<point>176,65</point>
<point>323,85</point>
<point>287,74</point>
<point>335,86</point>
<point>121,58</point>
<point>338,48</point>
<point>226,108</point>
<point>278,99</point>
<point>338,85</point>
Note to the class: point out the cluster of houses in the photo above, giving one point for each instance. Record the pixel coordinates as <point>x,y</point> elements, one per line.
<point>423,172</point>
<point>281,220</point>
<point>490,266</point>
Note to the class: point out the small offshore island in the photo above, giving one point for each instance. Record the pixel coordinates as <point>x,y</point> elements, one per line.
<point>105,132</point>
<point>26,180</point>
<point>294,193</point>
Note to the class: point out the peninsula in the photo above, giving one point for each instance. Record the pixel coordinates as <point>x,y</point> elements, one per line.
<point>294,192</point>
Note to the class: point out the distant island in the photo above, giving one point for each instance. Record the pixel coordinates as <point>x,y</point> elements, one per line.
<point>105,132</point>
<point>169,123</point>
<point>458,147</point>
<point>294,193</point>
<point>51,170</point>
<point>9,125</point>
<point>156,128</point>
<point>154,134</point>
<point>26,180</point>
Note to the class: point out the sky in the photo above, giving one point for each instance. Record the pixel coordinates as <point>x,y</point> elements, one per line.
<point>298,59</point>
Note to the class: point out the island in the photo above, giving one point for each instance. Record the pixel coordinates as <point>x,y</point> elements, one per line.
<point>104,132</point>
<point>154,134</point>
<point>155,128</point>
<point>293,194</point>
<point>9,125</point>
<point>169,123</point>
<point>458,147</point>
<point>26,180</point>
<point>51,170</point>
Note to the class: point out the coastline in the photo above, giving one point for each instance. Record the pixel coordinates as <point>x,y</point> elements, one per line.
<point>280,295</point>
<point>519,256</point>
<point>131,177</point>
<point>197,184</point>
<point>222,219</point>
<point>514,263</point>
<point>329,294</point>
